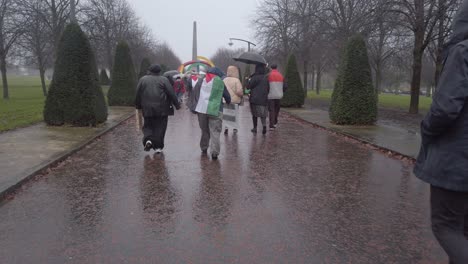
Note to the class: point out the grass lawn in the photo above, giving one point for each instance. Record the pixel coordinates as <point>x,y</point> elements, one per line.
<point>26,102</point>
<point>385,100</point>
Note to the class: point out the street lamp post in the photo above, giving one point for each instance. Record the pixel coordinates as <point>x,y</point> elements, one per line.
<point>243,40</point>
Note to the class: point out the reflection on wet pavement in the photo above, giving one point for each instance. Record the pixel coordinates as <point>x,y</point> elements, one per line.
<point>298,195</point>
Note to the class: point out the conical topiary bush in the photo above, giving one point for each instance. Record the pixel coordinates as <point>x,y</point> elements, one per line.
<point>103,78</point>
<point>144,66</point>
<point>294,95</point>
<point>123,86</point>
<point>74,94</point>
<point>354,99</point>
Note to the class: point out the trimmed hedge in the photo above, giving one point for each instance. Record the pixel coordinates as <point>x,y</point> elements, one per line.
<point>123,87</point>
<point>354,99</point>
<point>75,96</point>
<point>144,66</point>
<point>294,95</point>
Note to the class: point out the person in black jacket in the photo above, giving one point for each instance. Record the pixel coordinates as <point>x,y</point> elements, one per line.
<point>443,159</point>
<point>155,100</point>
<point>259,88</point>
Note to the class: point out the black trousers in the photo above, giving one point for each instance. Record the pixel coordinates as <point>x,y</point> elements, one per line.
<point>154,130</point>
<point>274,108</point>
<point>449,212</point>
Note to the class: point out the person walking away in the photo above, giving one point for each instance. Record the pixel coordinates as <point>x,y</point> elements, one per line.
<point>155,100</point>
<point>259,88</point>
<point>206,101</point>
<point>231,111</point>
<point>276,80</point>
<point>443,159</point>
<point>179,88</point>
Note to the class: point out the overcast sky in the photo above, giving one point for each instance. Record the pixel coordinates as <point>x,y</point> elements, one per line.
<point>217,20</point>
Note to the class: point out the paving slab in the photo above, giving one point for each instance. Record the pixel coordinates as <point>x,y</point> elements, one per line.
<point>26,151</point>
<point>393,138</point>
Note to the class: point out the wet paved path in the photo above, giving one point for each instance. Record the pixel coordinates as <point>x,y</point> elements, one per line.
<point>298,195</point>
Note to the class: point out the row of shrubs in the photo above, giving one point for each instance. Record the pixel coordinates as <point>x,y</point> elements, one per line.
<point>75,95</point>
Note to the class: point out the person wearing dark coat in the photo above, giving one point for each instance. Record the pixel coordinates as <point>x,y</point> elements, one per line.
<point>443,158</point>
<point>259,87</point>
<point>155,100</point>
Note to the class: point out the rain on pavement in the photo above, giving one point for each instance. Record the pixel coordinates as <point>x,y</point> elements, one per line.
<point>296,195</point>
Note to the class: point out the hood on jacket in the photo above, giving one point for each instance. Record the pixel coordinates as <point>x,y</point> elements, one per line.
<point>232,71</point>
<point>459,27</point>
<point>217,71</point>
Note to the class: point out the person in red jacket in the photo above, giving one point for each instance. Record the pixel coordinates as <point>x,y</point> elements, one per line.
<point>276,80</point>
<point>179,88</point>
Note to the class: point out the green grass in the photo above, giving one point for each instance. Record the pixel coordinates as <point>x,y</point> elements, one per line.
<point>385,100</point>
<point>25,104</point>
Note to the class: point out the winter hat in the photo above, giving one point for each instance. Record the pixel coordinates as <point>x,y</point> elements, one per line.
<point>155,68</point>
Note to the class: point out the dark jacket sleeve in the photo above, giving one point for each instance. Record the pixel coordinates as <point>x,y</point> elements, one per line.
<point>171,94</point>
<point>253,82</point>
<point>226,95</point>
<point>139,94</point>
<point>450,97</point>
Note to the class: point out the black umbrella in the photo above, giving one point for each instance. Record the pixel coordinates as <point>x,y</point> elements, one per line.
<point>251,58</point>
<point>171,73</point>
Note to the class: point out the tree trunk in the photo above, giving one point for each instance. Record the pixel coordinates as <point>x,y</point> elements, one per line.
<point>416,78</point>
<point>440,42</point>
<point>42,74</point>
<point>3,69</point>
<point>378,78</point>
<point>418,51</point>
<point>305,77</point>
<point>318,85</point>
<point>73,11</point>
<point>312,81</point>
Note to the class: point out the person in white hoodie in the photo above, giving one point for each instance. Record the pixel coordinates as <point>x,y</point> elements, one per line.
<point>234,87</point>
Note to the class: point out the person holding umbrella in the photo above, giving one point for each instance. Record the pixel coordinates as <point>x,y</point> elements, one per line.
<point>259,87</point>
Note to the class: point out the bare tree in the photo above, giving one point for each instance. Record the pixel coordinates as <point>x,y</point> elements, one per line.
<point>10,31</point>
<point>418,16</point>
<point>107,22</point>
<point>223,58</point>
<point>274,24</point>
<point>36,40</point>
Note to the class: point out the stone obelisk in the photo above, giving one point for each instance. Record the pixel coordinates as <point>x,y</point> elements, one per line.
<point>194,45</point>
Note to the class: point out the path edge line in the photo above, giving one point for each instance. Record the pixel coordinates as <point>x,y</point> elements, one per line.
<point>389,152</point>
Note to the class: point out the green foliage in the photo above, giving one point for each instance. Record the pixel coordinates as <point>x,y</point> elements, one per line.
<point>144,66</point>
<point>164,68</point>
<point>103,78</point>
<point>354,100</point>
<point>123,86</point>
<point>74,92</point>
<point>294,95</point>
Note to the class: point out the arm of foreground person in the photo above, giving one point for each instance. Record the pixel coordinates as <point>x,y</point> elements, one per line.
<point>450,97</point>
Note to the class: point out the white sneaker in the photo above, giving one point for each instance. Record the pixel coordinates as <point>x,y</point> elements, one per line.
<point>158,151</point>
<point>148,145</point>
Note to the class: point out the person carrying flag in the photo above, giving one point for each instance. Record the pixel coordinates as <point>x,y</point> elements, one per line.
<point>206,94</point>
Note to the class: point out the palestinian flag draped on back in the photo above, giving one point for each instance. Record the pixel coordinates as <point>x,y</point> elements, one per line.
<point>211,93</point>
